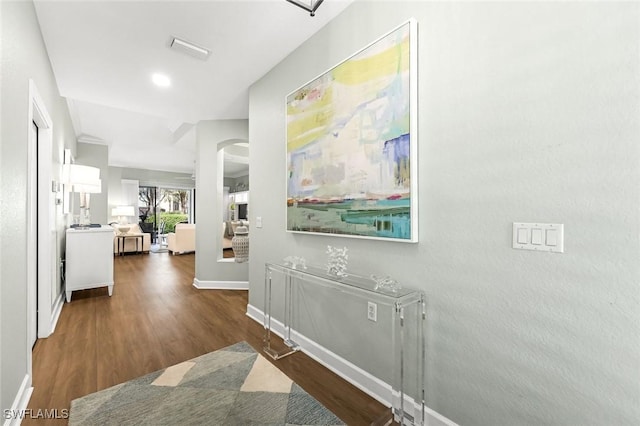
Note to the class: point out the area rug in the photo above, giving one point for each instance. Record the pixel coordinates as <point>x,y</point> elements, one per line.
<point>231,386</point>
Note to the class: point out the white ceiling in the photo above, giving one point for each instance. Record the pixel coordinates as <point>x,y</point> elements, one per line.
<point>103,54</point>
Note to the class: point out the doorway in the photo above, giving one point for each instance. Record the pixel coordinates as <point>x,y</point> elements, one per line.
<point>44,296</point>
<point>235,203</point>
<point>161,208</point>
<point>32,270</point>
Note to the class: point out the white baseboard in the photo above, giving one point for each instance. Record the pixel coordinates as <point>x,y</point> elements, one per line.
<point>366,382</point>
<point>19,406</point>
<point>220,285</point>
<point>57,310</point>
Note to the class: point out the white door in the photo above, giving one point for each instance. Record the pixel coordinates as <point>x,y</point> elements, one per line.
<point>32,272</point>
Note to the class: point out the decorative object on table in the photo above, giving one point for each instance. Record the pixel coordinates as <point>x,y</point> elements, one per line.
<point>240,244</point>
<point>295,261</point>
<point>337,262</point>
<point>123,229</point>
<point>352,145</point>
<point>218,388</point>
<point>122,212</point>
<point>387,284</point>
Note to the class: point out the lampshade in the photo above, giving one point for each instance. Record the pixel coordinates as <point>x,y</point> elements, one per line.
<point>123,211</point>
<point>82,178</point>
<point>93,188</point>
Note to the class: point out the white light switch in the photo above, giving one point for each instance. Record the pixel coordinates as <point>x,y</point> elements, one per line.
<point>258,221</point>
<point>523,236</point>
<point>538,236</point>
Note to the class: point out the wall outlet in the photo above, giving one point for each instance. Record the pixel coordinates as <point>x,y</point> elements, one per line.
<point>372,311</point>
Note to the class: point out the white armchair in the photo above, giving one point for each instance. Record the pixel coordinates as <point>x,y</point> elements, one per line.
<point>183,240</point>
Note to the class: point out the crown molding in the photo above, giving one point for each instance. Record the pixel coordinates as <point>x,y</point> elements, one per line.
<point>84,138</point>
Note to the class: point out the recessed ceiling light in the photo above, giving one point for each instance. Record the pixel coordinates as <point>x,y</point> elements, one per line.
<point>161,80</point>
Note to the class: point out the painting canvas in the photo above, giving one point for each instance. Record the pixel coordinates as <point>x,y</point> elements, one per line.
<point>351,145</point>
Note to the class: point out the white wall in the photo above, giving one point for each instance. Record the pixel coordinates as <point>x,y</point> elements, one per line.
<point>210,267</point>
<point>23,57</point>
<point>527,112</point>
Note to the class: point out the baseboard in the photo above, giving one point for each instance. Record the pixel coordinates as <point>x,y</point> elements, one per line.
<point>220,285</point>
<point>14,416</point>
<point>366,382</point>
<point>57,310</point>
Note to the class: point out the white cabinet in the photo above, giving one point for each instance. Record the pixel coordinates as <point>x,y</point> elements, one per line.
<point>89,257</point>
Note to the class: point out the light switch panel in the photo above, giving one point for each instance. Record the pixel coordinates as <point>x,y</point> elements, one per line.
<point>538,236</point>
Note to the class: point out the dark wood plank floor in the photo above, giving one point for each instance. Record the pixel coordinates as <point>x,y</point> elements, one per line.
<point>155,319</point>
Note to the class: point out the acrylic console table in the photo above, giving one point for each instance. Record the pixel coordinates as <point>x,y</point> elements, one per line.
<point>405,345</point>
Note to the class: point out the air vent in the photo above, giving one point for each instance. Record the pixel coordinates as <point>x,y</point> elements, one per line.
<point>189,48</point>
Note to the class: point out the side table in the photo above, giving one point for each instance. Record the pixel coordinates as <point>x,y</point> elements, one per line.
<point>121,240</point>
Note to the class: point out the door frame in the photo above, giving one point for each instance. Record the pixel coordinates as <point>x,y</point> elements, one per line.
<point>43,228</point>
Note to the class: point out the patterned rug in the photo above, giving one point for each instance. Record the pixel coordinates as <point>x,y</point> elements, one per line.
<point>231,386</point>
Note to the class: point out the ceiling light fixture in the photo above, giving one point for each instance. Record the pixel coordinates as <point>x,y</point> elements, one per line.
<point>161,80</point>
<point>189,48</point>
<point>309,5</point>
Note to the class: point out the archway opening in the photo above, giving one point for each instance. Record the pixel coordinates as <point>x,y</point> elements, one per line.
<point>235,191</point>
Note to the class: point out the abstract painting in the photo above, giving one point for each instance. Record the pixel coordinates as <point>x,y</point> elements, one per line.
<point>352,145</point>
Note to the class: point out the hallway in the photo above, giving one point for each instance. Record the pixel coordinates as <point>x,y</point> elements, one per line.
<point>155,319</point>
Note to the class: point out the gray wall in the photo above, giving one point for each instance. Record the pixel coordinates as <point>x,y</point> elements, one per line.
<point>97,156</point>
<point>527,112</point>
<point>158,178</point>
<point>210,136</point>
<point>23,57</point>
<point>145,178</point>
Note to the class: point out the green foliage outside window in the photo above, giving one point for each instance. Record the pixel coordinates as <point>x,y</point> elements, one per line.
<point>170,220</point>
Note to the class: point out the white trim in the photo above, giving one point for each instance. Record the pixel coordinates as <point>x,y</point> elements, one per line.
<point>57,310</point>
<point>20,403</point>
<point>220,285</point>
<point>40,228</point>
<point>353,374</point>
<point>91,140</point>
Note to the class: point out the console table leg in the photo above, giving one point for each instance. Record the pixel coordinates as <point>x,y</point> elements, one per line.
<point>292,346</point>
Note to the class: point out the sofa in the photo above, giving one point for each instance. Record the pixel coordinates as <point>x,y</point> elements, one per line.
<point>130,243</point>
<point>183,239</point>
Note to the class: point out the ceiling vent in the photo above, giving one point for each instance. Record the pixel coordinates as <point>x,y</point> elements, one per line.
<point>189,48</point>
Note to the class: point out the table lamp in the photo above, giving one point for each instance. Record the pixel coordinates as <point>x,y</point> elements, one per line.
<point>122,212</point>
<point>84,180</point>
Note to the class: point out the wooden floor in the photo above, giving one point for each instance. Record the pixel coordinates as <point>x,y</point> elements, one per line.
<point>155,319</point>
